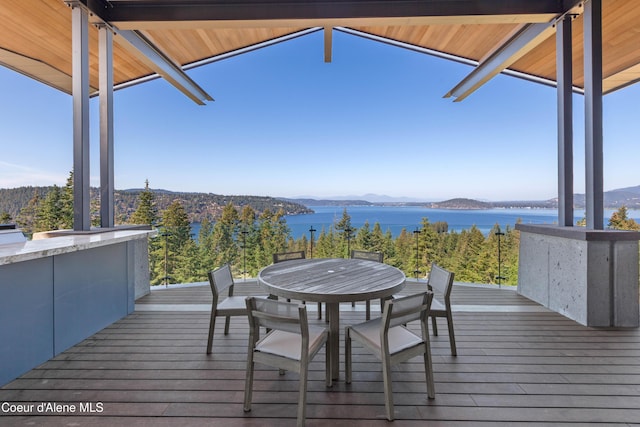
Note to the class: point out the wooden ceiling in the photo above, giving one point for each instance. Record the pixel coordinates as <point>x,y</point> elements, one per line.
<point>35,35</point>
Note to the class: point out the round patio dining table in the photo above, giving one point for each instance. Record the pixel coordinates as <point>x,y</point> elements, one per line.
<point>332,281</point>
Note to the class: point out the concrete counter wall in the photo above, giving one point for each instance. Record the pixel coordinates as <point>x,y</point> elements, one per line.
<point>590,276</point>
<point>58,291</point>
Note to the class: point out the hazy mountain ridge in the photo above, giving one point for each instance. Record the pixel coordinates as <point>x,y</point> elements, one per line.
<point>197,205</point>
<point>613,199</point>
<point>208,205</point>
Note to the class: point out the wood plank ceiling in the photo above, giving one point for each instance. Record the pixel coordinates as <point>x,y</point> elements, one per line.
<point>35,39</point>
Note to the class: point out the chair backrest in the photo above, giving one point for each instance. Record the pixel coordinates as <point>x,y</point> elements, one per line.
<point>277,315</point>
<point>399,311</point>
<point>220,280</point>
<point>440,280</point>
<point>371,256</point>
<point>288,256</point>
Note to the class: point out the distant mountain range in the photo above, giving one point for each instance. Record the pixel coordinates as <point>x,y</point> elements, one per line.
<point>629,197</point>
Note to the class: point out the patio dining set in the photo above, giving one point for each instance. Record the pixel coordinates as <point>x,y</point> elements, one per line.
<point>281,335</point>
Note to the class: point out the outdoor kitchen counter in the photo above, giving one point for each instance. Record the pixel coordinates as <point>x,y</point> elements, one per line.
<point>63,287</point>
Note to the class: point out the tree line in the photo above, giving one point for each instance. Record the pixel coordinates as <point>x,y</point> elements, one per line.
<point>247,239</point>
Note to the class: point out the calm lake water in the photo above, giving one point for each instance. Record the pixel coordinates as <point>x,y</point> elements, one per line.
<point>396,218</point>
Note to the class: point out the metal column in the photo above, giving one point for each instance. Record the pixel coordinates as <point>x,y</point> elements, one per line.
<point>80,47</point>
<point>564,71</point>
<point>106,126</point>
<point>593,114</point>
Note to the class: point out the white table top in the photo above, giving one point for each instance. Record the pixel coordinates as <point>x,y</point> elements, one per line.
<point>331,279</point>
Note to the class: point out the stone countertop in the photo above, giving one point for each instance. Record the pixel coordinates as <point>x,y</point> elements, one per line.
<point>579,233</point>
<point>67,242</point>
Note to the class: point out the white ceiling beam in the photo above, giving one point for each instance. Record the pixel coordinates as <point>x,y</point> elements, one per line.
<point>516,47</point>
<point>144,50</point>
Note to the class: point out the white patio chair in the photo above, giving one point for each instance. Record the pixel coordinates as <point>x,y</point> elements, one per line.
<point>370,256</point>
<point>290,345</point>
<point>442,281</point>
<point>221,280</point>
<point>392,342</point>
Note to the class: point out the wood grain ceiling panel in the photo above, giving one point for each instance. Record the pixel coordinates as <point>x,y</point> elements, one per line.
<point>467,41</point>
<point>40,30</point>
<point>187,46</point>
<point>620,50</point>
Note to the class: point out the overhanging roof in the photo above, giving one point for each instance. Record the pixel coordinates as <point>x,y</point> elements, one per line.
<point>35,38</point>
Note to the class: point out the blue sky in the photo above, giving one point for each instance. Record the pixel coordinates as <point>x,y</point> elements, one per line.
<point>286,124</point>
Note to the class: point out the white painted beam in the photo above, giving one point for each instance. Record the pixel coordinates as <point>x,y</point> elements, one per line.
<point>136,43</point>
<point>530,36</point>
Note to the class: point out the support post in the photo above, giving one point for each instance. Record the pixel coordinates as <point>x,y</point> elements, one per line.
<point>106,127</point>
<point>594,211</point>
<point>80,67</point>
<point>565,121</point>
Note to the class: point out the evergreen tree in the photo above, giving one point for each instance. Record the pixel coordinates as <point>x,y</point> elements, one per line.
<point>249,241</point>
<point>620,220</point>
<point>48,212</point>
<point>175,233</point>
<point>66,204</point>
<point>146,212</point>
<point>206,253</point>
<point>224,233</point>
<point>343,227</point>
<point>27,217</point>
<point>5,217</point>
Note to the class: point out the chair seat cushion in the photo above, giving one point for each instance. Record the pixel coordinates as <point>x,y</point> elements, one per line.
<point>233,302</point>
<point>437,306</point>
<point>400,338</point>
<point>288,344</point>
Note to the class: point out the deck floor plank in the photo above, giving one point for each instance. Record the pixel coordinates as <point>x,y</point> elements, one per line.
<point>514,368</point>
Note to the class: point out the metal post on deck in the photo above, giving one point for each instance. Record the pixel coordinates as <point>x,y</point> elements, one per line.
<point>594,203</point>
<point>416,272</point>
<point>499,277</point>
<point>564,73</point>
<point>311,231</point>
<point>107,209</point>
<point>80,79</point>
<point>347,232</point>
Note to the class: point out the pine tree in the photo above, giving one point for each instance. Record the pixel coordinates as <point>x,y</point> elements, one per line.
<point>175,233</point>
<point>27,217</point>
<point>66,204</point>
<point>224,233</point>
<point>5,218</point>
<point>147,212</point>
<point>620,220</point>
<point>343,227</point>
<point>48,212</point>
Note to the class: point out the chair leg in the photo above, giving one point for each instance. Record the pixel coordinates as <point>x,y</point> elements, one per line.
<point>452,338</point>
<point>319,310</point>
<point>226,325</point>
<point>347,356</point>
<point>388,392</point>
<point>434,325</point>
<point>302,397</point>
<point>428,370</point>
<point>368,310</point>
<point>212,326</point>
<point>248,385</point>
<point>328,380</point>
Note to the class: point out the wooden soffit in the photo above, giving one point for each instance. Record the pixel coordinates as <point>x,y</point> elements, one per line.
<point>35,35</point>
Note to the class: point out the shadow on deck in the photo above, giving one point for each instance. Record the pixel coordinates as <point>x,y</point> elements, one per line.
<point>518,364</point>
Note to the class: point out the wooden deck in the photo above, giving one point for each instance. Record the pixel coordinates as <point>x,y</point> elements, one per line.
<point>518,364</point>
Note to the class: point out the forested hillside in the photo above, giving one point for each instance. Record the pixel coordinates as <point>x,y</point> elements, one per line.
<point>199,206</point>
